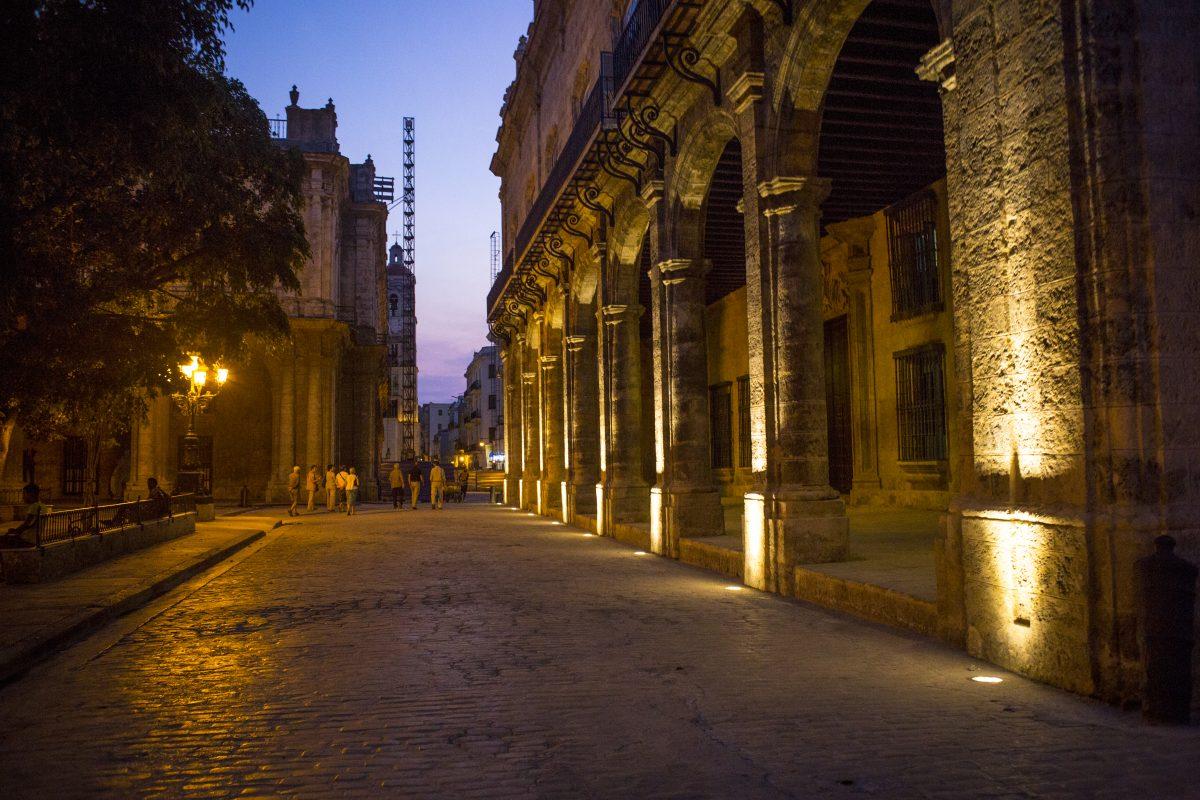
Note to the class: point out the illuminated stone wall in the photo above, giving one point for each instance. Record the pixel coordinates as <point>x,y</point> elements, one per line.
<point>1070,322</point>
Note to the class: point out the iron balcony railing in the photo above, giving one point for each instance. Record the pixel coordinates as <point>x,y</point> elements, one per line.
<point>640,31</point>
<point>596,109</point>
<point>62,526</point>
<point>278,128</point>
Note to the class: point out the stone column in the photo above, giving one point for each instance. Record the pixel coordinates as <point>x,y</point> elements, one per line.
<point>513,465</point>
<point>553,487</point>
<point>692,504</point>
<point>531,459</point>
<point>149,448</point>
<point>803,518</point>
<point>283,426</point>
<point>626,495</point>
<point>584,403</point>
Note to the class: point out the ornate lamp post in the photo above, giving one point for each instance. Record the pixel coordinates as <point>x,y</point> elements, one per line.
<point>193,401</point>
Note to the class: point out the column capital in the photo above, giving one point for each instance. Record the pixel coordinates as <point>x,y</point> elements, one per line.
<point>575,342</point>
<point>745,91</point>
<point>549,362</point>
<point>652,192</point>
<point>616,314</point>
<point>537,316</point>
<point>678,270</point>
<point>529,377</point>
<point>938,66</point>
<point>786,194</point>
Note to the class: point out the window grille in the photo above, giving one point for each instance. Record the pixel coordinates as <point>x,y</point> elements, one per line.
<point>719,417</point>
<point>491,402</point>
<point>743,387</point>
<point>74,465</point>
<point>921,403</point>
<point>912,246</point>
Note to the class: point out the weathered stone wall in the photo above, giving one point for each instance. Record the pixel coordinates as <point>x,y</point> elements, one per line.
<point>1071,322</point>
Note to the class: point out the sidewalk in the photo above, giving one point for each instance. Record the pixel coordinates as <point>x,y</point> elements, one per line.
<point>37,619</point>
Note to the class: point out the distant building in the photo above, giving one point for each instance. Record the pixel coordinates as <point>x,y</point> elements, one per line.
<point>434,418</point>
<point>482,435</point>
<point>401,422</point>
<point>313,399</point>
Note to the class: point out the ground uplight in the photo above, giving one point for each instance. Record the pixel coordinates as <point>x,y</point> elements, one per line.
<point>987,679</point>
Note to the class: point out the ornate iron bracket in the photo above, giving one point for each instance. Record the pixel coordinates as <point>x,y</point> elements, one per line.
<point>555,244</point>
<point>571,224</point>
<point>541,268</point>
<point>683,58</point>
<point>589,196</point>
<point>643,119</point>
<point>607,156</point>
<point>785,8</point>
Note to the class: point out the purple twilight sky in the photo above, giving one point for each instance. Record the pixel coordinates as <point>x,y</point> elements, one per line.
<point>445,62</point>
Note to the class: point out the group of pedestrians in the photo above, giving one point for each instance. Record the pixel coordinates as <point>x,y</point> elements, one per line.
<point>340,487</point>
<point>399,480</point>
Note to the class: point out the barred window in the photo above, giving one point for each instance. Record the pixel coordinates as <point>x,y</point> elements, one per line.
<point>719,417</point>
<point>743,384</point>
<point>912,246</point>
<point>74,465</point>
<point>921,403</point>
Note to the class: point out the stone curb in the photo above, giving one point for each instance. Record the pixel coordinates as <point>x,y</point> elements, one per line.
<point>17,659</point>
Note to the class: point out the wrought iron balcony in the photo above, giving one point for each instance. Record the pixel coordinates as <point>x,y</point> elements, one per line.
<point>641,29</point>
<point>278,128</point>
<point>594,113</point>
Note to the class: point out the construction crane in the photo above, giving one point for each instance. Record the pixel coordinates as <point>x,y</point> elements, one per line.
<point>409,196</point>
<point>494,247</point>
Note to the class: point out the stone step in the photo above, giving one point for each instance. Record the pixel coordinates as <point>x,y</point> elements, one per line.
<point>721,554</point>
<point>874,603</point>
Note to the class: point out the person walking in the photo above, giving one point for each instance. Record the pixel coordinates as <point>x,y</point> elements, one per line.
<point>464,481</point>
<point>352,484</point>
<point>414,483</point>
<point>313,483</point>
<point>396,481</point>
<point>437,485</point>
<point>294,491</point>
<point>330,489</point>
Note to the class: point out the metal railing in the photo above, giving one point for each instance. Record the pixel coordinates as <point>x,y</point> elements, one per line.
<point>278,127</point>
<point>62,526</point>
<point>15,496</point>
<point>636,36</point>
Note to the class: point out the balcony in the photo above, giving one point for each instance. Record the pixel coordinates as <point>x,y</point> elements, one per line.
<point>654,31</point>
<point>278,127</point>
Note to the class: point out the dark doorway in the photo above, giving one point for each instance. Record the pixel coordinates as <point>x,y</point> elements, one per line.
<point>837,404</point>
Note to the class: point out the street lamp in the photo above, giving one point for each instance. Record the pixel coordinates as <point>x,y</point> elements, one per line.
<point>191,402</point>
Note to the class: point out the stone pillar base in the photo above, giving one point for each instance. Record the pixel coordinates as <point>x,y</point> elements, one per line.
<point>581,499</point>
<point>782,532</point>
<point>625,504</point>
<point>512,492</point>
<point>691,514</point>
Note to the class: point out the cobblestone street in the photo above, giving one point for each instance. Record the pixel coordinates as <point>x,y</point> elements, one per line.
<point>480,652</point>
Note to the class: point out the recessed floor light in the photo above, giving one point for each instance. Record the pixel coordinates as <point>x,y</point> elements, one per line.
<point>987,679</point>
<point>733,588</point>
<point>640,553</point>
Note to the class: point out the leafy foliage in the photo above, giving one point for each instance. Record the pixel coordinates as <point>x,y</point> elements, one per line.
<point>144,210</point>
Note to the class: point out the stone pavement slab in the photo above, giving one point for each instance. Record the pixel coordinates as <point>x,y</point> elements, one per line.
<point>477,652</point>
<point>36,619</point>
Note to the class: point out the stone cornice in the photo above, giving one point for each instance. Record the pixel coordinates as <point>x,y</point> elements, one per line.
<point>938,66</point>
<point>784,194</point>
<point>745,91</point>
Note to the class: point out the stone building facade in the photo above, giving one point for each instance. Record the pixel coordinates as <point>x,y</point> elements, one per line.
<point>315,398</point>
<point>482,412</point>
<point>401,423</point>
<point>767,260</point>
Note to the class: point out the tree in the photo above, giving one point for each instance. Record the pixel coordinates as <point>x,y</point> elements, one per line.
<point>144,210</point>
